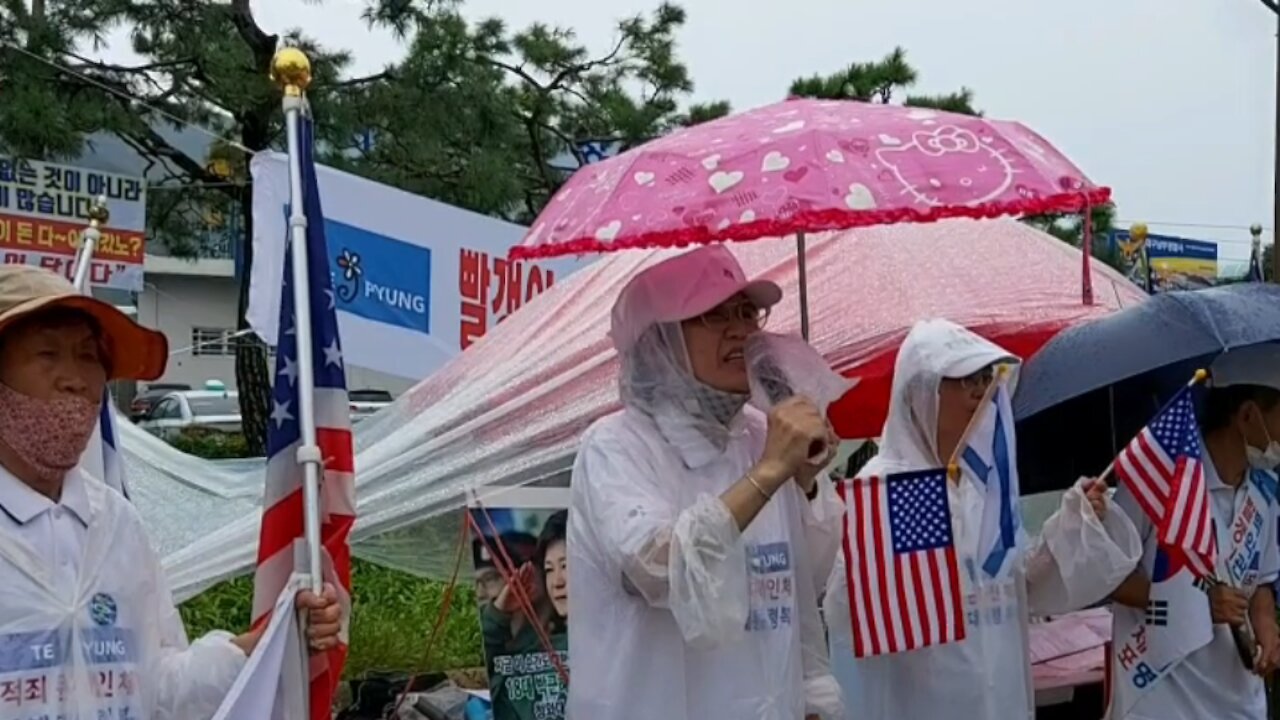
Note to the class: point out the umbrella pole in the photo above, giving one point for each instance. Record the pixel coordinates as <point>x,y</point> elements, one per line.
<point>804,286</point>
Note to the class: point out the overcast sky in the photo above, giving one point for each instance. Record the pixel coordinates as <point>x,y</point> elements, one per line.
<point>1170,102</point>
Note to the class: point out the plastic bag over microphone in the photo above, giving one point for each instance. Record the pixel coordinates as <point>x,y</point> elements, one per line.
<point>781,366</point>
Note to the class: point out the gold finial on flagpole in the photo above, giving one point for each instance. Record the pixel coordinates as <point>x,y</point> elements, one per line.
<point>98,212</point>
<point>291,70</point>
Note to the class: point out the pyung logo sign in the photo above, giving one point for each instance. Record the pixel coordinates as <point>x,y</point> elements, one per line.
<point>380,278</point>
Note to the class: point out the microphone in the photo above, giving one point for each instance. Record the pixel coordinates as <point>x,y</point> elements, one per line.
<point>762,370</point>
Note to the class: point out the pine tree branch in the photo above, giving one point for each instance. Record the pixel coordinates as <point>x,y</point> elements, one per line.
<point>354,82</point>
<point>89,64</point>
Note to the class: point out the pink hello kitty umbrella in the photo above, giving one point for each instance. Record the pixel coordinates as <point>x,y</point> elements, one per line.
<point>803,166</point>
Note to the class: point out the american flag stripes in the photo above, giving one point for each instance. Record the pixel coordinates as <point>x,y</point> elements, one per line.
<point>903,578</point>
<point>283,515</point>
<point>1162,467</point>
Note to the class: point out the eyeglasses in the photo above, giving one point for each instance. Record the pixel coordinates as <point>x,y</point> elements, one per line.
<point>978,381</point>
<point>722,317</point>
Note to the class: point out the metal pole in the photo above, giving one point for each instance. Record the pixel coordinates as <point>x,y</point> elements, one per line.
<point>292,70</point>
<point>804,286</point>
<point>98,216</point>
<point>1275,217</point>
<point>308,450</point>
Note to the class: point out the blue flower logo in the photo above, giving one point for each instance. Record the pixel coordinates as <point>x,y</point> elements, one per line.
<point>352,275</point>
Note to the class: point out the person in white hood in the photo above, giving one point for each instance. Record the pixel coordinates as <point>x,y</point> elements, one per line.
<point>1087,548</point>
<point>87,625</point>
<point>699,535</point>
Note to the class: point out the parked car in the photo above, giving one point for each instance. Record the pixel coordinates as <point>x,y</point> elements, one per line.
<point>149,396</point>
<point>367,402</point>
<point>217,410</point>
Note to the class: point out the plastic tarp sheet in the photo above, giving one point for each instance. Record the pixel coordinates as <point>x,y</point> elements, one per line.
<point>509,411</point>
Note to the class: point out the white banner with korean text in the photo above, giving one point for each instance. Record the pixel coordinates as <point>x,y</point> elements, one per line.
<point>415,281</point>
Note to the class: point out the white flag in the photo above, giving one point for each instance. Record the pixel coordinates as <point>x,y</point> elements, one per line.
<point>273,684</point>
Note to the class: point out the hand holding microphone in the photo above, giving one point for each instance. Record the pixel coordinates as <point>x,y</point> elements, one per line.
<point>795,385</point>
<point>797,433</point>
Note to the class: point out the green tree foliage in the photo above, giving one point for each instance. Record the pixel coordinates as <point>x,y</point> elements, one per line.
<point>881,81</point>
<point>1069,228</point>
<point>472,115</point>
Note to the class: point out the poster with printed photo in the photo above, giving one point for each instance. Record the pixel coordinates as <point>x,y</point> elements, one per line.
<point>522,588</point>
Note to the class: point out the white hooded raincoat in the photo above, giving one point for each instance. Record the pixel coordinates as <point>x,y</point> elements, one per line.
<point>675,614</point>
<point>97,635</point>
<point>1077,560</point>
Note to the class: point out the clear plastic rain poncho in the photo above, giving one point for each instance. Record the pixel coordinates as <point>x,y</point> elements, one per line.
<point>675,613</point>
<point>1076,561</point>
<point>115,648</point>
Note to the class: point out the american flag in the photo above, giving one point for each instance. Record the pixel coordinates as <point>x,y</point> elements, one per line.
<point>1163,469</point>
<point>282,518</point>
<point>904,582</point>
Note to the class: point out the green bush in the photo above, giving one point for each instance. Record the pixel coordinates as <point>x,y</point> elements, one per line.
<point>211,444</point>
<point>392,617</point>
<point>392,612</point>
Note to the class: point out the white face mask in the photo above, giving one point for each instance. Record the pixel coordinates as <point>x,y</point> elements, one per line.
<point>1268,459</point>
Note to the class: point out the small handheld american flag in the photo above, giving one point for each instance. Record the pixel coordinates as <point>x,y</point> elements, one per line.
<point>903,578</point>
<point>1163,469</point>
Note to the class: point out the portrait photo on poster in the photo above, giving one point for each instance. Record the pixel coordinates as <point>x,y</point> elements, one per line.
<point>522,589</point>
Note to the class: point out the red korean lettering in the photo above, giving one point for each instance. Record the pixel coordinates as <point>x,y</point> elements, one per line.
<point>535,285</point>
<point>11,692</point>
<point>126,682</point>
<point>1140,639</point>
<point>509,276</point>
<point>1128,656</point>
<point>106,684</point>
<point>13,258</point>
<point>35,689</point>
<point>473,285</point>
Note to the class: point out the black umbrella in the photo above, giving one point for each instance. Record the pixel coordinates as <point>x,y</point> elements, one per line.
<point>1092,388</point>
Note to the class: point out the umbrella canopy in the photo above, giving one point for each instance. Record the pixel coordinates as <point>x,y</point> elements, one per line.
<point>1167,329</point>
<point>549,370</point>
<point>807,166</point>
<point>1093,387</point>
<point>1002,279</point>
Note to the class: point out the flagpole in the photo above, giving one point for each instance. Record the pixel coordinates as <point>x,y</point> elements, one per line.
<point>292,72</point>
<point>98,216</point>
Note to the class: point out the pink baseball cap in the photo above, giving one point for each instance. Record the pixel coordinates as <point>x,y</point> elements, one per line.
<point>684,287</point>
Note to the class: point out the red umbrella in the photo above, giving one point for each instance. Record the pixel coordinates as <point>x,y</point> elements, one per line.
<point>522,395</point>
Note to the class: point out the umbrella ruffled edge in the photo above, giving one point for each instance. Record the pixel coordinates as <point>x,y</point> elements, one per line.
<point>813,221</point>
